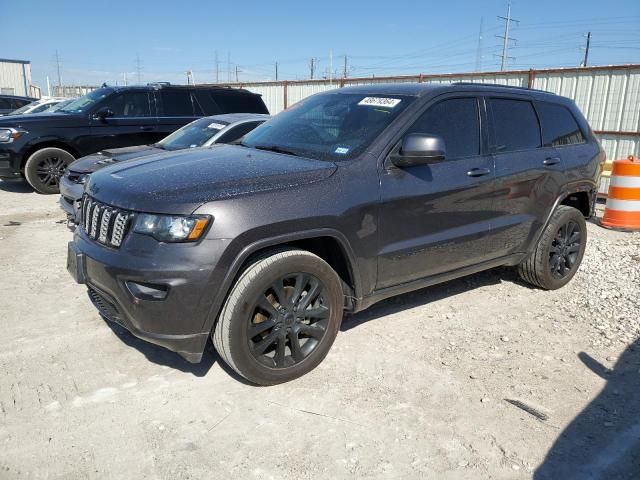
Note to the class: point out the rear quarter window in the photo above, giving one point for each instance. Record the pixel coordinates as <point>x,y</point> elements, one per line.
<point>515,124</point>
<point>234,103</point>
<point>176,103</point>
<point>559,126</point>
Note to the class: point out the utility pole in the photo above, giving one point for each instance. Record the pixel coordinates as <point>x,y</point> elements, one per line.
<point>58,69</point>
<point>217,68</point>
<point>505,38</point>
<point>48,86</point>
<point>139,68</point>
<point>276,71</point>
<point>312,66</point>
<point>479,50</point>
<point>344,70</point>
<point>124,77</point>
<point>330,67</point>
<point>228,66</point>
<point>586,50</point>
<point>236,73</point>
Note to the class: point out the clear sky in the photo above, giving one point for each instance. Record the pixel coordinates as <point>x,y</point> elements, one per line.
<point>100,41</point>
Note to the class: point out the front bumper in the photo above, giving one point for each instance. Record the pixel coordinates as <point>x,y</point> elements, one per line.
<point>177,322</point>
<point>9,164</point>
<point>70,198</point>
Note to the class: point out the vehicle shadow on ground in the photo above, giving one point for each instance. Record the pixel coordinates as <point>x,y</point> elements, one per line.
<point>162,356</point>
<point>15,186</point>
<point>603,441</point>
<point>432,294</point>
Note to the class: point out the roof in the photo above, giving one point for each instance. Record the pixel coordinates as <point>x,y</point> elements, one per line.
<point>9,60</point>
<point>421,89</point>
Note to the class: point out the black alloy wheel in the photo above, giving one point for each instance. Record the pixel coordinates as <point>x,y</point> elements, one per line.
<point>564,249</point>
<point>288,320</point>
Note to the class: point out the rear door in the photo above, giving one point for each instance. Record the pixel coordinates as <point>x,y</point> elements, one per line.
<point>177,107</point>
<point>528,173</point>
<point>133,122</point>
<point>436,218</point>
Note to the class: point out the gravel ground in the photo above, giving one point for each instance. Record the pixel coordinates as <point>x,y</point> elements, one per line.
<point>481,377</point>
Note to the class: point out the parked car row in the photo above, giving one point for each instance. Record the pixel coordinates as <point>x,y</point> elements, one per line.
<point>40,147</point>
<point>10,103</point>
<point>38,106</point>
<point>349,197</point>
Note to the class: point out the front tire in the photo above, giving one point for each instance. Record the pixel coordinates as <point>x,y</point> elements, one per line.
<point>45,167</point>
<point>280,318</point>
<point>559,251</point>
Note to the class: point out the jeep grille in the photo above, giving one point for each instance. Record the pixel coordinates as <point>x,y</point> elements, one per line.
<point>103,223</point>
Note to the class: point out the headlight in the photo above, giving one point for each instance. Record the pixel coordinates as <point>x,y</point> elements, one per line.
<point>170,228</point>
<point>8,135</point>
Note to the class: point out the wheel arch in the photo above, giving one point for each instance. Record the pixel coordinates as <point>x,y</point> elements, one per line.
<point>329,244</point>
<point>47,144</point>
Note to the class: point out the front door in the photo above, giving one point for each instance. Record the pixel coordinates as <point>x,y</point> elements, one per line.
<point>436,218</point>
<point>133,122</point>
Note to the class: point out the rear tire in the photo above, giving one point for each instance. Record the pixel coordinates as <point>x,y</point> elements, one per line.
<point>559,251</point>
<point>45,167</point>
<point>280,318</point>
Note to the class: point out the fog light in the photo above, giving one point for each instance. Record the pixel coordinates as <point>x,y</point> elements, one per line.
<point>147,291</point>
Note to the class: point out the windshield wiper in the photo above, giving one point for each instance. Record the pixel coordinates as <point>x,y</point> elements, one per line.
<point>275,148</point>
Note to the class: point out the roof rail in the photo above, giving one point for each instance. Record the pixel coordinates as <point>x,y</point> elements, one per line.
<point>151,84</point>
<point>478,84</point>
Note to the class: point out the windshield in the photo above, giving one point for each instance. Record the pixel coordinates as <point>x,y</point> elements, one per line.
<point>84,103</point>
<point>192,135</point>
<point>59,106</point>
<point>330,126</point>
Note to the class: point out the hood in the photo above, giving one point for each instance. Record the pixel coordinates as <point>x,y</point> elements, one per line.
<point>91,163</point>
<point>179,182</point>
<point>49,119</point>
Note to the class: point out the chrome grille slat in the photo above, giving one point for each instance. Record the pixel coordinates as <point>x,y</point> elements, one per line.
<point>103,223</point>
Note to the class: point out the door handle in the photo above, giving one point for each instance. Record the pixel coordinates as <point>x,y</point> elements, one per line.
<point>478,172</point>
<point>551,161</point>
<point>146,128</point>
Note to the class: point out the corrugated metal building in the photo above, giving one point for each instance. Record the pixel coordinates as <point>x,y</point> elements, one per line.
<point>609,96</point>
<point>15,78</point>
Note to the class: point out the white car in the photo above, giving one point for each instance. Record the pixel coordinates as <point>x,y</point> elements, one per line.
<point>38,106</point>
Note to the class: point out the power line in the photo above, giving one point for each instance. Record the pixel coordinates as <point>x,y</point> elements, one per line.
<point>505,37</point>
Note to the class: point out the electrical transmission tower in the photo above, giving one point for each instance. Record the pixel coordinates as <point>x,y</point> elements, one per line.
<point>479,50</point>
<point>58,69</point>
<point>505,38</point>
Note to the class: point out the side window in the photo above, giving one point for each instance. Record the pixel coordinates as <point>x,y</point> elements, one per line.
<point>234,103</point>
<point>176,103</point>
<point>236,133</point>
<point>205,103</point>
<point>457,122</point>
<point>559,126</point>
<point>20,103</point>
<point>515,124</point>
<point>129,104</point>
<point>5,104</point>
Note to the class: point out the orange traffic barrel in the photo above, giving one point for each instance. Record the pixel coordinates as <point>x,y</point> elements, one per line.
<point>623,203</point>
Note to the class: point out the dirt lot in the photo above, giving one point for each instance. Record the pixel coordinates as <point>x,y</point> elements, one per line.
<point>481,377</point>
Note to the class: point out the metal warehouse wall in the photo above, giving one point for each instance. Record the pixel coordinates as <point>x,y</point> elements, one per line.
<point>15,77</point>
<point>608,96</point>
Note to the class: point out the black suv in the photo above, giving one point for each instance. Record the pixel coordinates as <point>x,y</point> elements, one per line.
<point>349,197</point>
<point>39,147</point>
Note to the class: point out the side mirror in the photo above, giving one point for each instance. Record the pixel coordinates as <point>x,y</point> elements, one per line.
<point>103,113</point>
<point>419,149</point>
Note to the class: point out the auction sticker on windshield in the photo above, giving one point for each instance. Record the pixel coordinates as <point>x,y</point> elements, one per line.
<point>216,126</point>
<point>379,102</point>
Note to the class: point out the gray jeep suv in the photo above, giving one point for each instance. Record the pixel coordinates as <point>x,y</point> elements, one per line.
<point>347,198</point>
